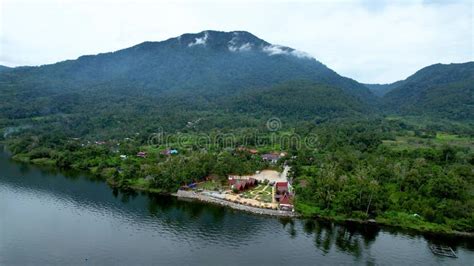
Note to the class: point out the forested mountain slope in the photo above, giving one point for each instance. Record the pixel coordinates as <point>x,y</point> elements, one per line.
<point>443,91</point>
<point>218,75</point>
<point>209,71</point>
<point>4,68</point>
<point>211,62</point>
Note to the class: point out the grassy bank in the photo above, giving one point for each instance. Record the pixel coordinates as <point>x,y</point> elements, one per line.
<point>391,218</point>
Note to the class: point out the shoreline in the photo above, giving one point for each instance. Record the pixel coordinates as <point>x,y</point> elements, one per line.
<point>191,195</point>
<point>268,212</point>
<point>182,194</point>
<point>400,228</point>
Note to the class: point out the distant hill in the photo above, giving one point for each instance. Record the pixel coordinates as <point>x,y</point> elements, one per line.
<point>444,91</point>
<point>381,89</point>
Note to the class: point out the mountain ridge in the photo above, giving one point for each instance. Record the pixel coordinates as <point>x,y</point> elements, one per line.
<point>204,75</point>
<point>4,68</point>
<point>211,71</point>
<point>207,59</point>
<point>444,90</point>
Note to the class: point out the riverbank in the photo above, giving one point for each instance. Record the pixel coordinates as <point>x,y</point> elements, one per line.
<point>82,221</point>
<point>403,221</point>
<point>182,194</point>
<point>398,220</point>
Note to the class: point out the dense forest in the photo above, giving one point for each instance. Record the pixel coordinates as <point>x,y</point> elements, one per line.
<point>403,156</point>
<point>401,174</point>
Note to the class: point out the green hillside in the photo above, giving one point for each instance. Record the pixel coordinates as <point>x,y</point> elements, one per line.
<point>440,91</point>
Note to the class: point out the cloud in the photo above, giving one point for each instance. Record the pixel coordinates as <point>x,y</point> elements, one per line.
<point>279,50</point>
<point>301,54</point>
<point>200,41</point>
<point>234,47</point>
<point>244,47</point>
<point>275,50</point>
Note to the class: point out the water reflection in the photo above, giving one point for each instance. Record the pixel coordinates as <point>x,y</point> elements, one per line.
<point>289,226</point>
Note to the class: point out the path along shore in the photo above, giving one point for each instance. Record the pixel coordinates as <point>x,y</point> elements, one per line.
<point>183,194</point>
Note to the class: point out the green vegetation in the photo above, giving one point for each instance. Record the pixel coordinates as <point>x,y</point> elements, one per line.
<point>441,91</point>
<point>423,183</point>
<point>213,185</point>
<point>390,170</point>
<point>164,173</point>
<point>259,193</point>
<point>412,221</point>
<point>266,196</point>
<point>405,159</point>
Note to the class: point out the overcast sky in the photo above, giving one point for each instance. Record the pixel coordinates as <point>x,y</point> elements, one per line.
<point>370,41</point>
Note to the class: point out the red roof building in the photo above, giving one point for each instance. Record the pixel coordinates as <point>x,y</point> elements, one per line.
<point>285,203</point>
<point>251,182</point>
<point>239,186</point>
<point>281,187</point>
<point>242,184</point>
<point>285,199</point>
<point>253,151</point>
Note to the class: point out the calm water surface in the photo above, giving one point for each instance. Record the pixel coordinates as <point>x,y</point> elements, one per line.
<point>64,219</point>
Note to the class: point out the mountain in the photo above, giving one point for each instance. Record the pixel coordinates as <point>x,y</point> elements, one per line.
<point>440,90</point>
<point>210,62</point>
<point>222,79</point>
<point>4,68</point>
<point>210,71</point>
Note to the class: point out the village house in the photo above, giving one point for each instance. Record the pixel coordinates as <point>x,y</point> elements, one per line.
<point>244,149</point>
<point>273,157</point>
<point>283,195</point>
<point>142,154</point>
<point>281,188</point>
<point>285,203</point>
<point>242,184</point>
<point>169,152</point>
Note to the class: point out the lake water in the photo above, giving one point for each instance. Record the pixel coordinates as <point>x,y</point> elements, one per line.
<point>65,219</point>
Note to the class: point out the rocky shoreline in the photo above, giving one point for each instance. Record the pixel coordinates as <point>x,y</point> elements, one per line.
<point>182,194</point>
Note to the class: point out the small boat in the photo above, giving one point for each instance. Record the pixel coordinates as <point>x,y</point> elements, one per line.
<point>443,251</point>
